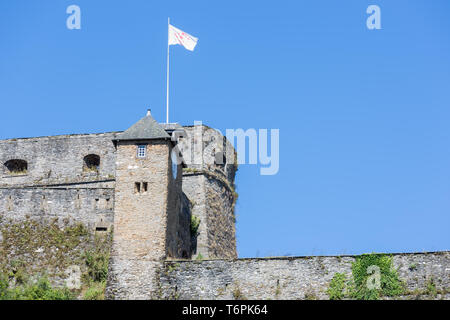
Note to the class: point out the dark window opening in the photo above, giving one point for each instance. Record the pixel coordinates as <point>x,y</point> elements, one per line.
<point>137,187</point>
<point>101,229</point>
<point>108,204</point>
<point>145,186</point>
<point>91,163</point>
<point>16,166</point>
<point>220,159</point>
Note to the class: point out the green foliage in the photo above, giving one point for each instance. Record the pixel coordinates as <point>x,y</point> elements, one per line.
<point>199,257</point>
<point>337,288</point>
<point>18,271</point>
<point>95,292</point>
<point>38,290</point>
<point>195,223</point>
<point>373,276</point>
<point>96,261</point>
<point>390,285</point>
<point>31,246</point>
<point>44,245</point>
<point>4,284</point>
<point>237,294</point>
<point>310,296</point>
<point>412,267</point>
<point>431,288</point>
<point>172,267</point>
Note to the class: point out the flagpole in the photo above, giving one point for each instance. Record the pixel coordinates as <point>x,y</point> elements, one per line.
<point>167,98</point>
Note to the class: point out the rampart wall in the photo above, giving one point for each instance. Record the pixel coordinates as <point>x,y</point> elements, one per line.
<point>426,276</point>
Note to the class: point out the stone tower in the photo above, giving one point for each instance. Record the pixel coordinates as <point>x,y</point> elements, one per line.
<point>148,226</point>
<point>208,182</point>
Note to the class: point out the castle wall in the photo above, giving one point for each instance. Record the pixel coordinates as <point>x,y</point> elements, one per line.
<point>141,214</point>
<point>141,220</point>
<point>148,228</point>
<point>178,211</point>
<point>92,207</point>
<point>194,189</point>
<point>213,203</point>
<point>58,159</point>
<point>220,201</point>
<point>293,278</point>
<point>58,162</point>
<point>208,182</point>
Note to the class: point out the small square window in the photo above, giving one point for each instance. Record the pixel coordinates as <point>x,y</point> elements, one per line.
<point>141,151</point>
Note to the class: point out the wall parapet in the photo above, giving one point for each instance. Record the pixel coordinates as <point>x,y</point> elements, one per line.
<point>295,278</point>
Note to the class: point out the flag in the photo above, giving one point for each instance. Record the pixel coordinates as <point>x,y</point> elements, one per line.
<point>177,36</point>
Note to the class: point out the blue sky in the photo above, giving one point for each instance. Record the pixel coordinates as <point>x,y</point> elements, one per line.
<point>363,114</point>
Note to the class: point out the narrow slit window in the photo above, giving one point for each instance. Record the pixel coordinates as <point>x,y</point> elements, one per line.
<point>141,151</point>
<point>108,204</point>
<point>137,187</point>
<point>145,186</point>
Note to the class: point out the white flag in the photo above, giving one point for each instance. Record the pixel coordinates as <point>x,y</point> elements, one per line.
<point>177,36</point>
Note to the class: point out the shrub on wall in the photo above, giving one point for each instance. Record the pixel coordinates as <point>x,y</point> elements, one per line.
<point>40,289</point>
<point>195,223</point>
<point>30,247</point>
<point>373,276</point>
<point>337,288</point>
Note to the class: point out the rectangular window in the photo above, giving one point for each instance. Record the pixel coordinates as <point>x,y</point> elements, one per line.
<point>144,186</point>
<point>137,187</point>
<point>141,151</point>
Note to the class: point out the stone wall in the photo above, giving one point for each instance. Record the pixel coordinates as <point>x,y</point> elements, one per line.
<point>294,278</point>
<point>91,207</point>
<point>220,200</point>
<point>208,182</point>
<point>179,217</point>
<point>58,159</point>
<point>194,189</point>
<point>142,235</point>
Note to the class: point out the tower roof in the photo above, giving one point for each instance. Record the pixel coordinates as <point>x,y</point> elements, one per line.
<point>145,129</point>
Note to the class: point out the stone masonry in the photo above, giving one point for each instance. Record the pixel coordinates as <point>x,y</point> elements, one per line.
<point>294,278</point>
<point>145,185</point>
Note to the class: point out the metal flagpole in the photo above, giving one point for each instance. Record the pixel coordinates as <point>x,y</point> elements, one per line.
<point>167,98</point>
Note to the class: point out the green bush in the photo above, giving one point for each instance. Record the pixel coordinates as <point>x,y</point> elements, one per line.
<point>4,284</point>
<point>38,290</point>
<point>95,292</point>
<point>195,223</point>
<point>199,257</point>
<point>337,288</point>
<point>31,246</point>
<point>365,283</point>
<point>390,284</point>
<point>97,266</point>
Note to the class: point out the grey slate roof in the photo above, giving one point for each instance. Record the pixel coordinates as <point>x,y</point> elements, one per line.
<point>146,128</point>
